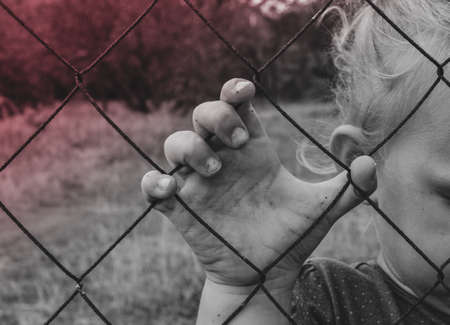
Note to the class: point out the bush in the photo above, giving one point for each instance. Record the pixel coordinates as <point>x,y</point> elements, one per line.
<point>171,55</point>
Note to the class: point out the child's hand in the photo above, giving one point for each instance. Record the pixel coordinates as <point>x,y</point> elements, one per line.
<point>243,192</point>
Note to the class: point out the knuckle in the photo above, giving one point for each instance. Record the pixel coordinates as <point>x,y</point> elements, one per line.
<point>203,110</point>
<point>229,84</point>
<point>167,147</point>
<point>169,140</point>
<point>196,152</point>
<point>217,117</point>
<point>225,114</point>
<point>190,150</point>
<point>196,113</point>
<point>237,90</point>
<point>174,139</point>
<point>232,82</point>
<point>196,142</point>
<point>193,141</point>
<point>174,146</point>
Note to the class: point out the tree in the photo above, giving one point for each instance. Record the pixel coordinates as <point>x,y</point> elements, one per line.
<point>171,55</point>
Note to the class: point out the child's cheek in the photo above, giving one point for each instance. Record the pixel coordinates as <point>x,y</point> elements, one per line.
<point>421,215</point>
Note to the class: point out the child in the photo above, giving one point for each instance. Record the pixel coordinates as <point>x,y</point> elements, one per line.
<point>238,186</point>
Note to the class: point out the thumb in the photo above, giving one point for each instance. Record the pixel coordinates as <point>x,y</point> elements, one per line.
<point>363,182</point>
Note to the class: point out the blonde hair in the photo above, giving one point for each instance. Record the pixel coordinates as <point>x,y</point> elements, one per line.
<point>381,76</point>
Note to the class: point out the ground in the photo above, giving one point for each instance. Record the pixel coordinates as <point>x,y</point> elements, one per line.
<point>77,189</point>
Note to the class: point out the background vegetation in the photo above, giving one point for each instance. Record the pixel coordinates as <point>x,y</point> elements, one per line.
<point>167,57</point>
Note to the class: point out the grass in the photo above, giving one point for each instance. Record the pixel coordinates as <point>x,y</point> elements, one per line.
<point>77,189</point>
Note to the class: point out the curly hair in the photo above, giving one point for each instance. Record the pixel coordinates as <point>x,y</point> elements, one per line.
<point>381,76</point>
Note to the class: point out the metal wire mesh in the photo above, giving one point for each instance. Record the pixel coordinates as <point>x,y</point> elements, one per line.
<point>79,86</point>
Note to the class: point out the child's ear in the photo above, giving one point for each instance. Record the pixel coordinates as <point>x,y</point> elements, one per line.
<point>345,143</point>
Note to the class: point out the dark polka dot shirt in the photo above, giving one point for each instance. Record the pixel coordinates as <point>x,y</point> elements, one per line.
<point>332,292</point>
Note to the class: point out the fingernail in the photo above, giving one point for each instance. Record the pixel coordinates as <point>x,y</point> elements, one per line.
<point>239,136</point>
<point>163,183</point>
<point>241,85</point>
<point>213,165</point>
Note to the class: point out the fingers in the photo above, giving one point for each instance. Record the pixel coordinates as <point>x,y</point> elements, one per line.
<point>233,120</point>
<point>238,93</point>
<point>363,175</point>
<point>222,120</point>
<point>157,186</point>
<point>189,148</point>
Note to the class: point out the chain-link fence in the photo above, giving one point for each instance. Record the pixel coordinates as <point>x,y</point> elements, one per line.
<point>79,86</point>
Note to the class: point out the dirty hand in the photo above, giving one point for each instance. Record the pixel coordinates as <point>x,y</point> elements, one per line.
<point>237,185</point>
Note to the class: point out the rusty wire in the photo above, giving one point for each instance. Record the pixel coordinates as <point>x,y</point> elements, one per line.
<point>79,86</point>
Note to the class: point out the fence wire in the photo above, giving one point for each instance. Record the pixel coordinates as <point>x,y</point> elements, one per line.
<point>80,86</point>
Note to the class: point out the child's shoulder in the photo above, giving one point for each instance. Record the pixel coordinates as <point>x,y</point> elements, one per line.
<point>339,282</point>
<point>333,292</point>
<point>329,269</point>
